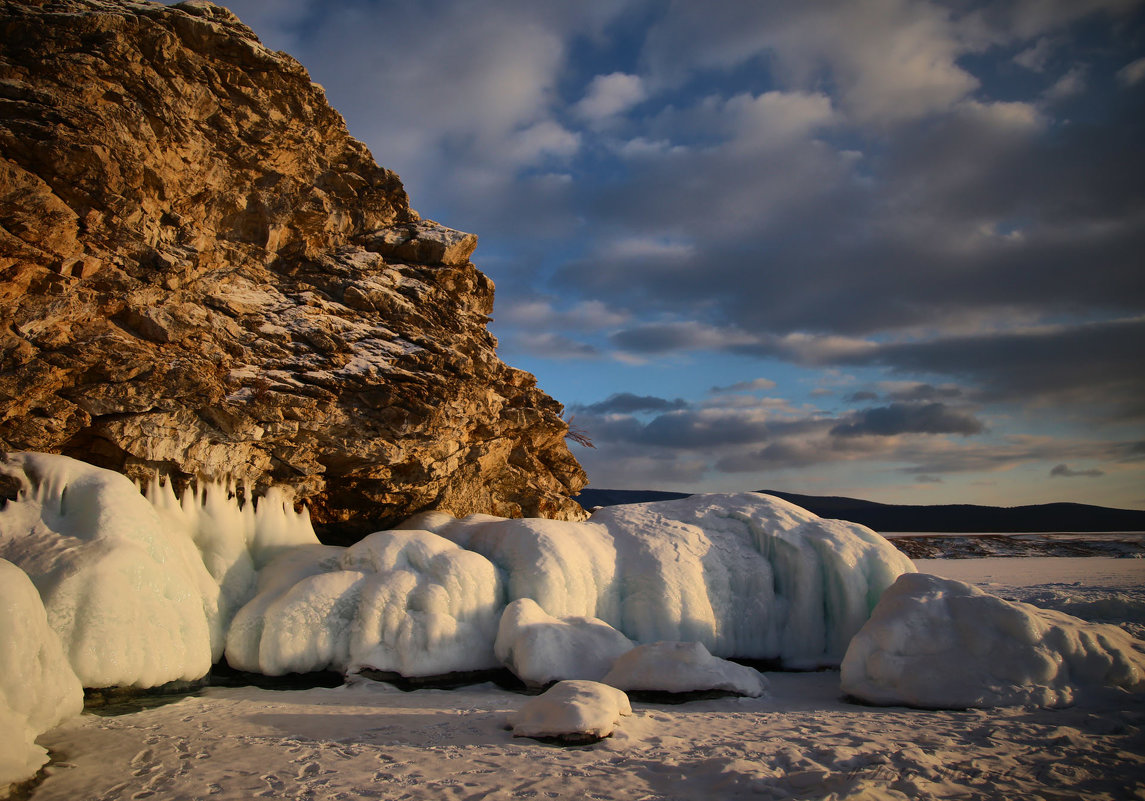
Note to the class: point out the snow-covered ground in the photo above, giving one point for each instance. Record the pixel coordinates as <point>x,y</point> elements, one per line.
<point>369,740</point>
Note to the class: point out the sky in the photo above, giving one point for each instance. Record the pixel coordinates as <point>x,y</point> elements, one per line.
<point>890,249</point>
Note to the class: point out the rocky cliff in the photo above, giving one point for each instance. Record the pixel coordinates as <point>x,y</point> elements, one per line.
<point>203,274</point>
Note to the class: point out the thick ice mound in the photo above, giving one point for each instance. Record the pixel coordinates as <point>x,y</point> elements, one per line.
<point>747,575</point>
<point>940,643</point>
<point>540,648</point>
<point>572,711</point>
<point>38,688</point>
<point>682,667</point>
<point>409,602</point>
<point>130,601</point>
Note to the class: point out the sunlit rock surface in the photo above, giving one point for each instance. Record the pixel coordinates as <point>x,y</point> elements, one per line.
<point>202,273</point>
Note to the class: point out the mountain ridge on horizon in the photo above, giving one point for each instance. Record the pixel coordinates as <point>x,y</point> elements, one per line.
<point>936,518</point>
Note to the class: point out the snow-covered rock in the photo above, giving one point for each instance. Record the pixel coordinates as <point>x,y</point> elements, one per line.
<point>682,667</point>
<point>940,643</point>
<point>572,711</point>
<point>747,575</point>
<point>130,601</point>
<point>409,602</point>
<point>540,648</point>
<point>38,688</point>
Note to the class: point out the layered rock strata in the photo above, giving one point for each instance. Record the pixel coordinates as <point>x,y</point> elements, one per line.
<point>203,274</point>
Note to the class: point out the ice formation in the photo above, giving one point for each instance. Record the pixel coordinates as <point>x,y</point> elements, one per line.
<point>940,643</point>
<point>130,601</point>
<point>573,711</point>
<point>540,648</point>
<point>233,540</point>
<point>681,667</point>
<point>408,602</point>
<point>38,688</point>
<point>747,575</point>
<point>142,593</point>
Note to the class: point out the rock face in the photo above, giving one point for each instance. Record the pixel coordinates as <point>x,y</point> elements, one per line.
<point>202,273</point>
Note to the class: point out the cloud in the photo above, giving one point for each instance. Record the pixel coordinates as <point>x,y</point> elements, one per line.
<point>1132,73</point>
<point>583,316</point>
<point>611,94</point>
<point>1036,56</point>
<point>549,345</point>
<point>628,403</point>
<point>756,384</point>
<point>909,418</point>
<point>1068,85</point>
<point>1064,471</point>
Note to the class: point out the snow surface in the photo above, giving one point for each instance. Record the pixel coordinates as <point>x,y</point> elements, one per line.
<point>540,648</point>
<point>574,710</point>
<point>940,643</point>
<point>682,667</point>
<point>130,601</point>
<point>38,689</point>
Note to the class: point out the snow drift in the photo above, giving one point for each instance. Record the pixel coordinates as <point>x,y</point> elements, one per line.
<point>940,643</point>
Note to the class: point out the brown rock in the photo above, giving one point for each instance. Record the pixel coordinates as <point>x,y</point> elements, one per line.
<point>202,273</point>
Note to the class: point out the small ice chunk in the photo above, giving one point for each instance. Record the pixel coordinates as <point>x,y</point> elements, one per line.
<point>940,643</point>
<point>574,711</point>
<point>38,688</point>
<point>540,648</point>
<point>682,667</point>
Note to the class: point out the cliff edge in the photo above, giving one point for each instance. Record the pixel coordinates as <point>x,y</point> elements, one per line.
<point>203,274</point>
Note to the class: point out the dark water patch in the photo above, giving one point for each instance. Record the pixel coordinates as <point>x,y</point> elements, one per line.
<point>502,677</point>
<point>223,675</point>
<point>115,701</point>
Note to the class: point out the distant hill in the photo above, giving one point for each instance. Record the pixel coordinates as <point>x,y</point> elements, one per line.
<point>963,518</point>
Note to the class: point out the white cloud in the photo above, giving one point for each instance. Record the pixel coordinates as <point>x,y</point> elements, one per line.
<point>536,314</point>
<point>1132,73</point>
<point>609,95</point>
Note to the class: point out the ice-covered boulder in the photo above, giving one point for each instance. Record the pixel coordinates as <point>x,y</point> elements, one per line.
<point>939,643</point>
<point>540,648</point>
<point>747,575</point>
<point>408,602</point>
<point>572,712</point>
<point>682,667</point>
<point>38,688</point>
<point>130,601</point>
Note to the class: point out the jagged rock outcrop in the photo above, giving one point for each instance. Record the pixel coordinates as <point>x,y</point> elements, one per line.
<point>202,273</point>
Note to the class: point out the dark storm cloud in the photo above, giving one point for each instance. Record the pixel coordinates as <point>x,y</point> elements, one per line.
<point>628,403</point>
<point>909,418</point>
<point>1094,364</point>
